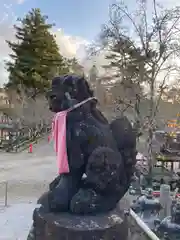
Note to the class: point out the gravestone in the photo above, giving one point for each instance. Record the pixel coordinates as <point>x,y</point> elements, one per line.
<point>165,201</point>
<point>65,226</point>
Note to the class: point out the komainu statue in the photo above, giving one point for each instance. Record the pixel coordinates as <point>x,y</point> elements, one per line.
<point>104,152</point>
<point>96,158</point>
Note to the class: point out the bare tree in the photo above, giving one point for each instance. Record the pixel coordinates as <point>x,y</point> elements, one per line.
<point>127,97</point>
<point>146,47</point>
<point>30,114</point>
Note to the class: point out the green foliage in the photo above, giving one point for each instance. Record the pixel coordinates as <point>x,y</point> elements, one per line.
<point>128,62</point>
<point>36,58</point>
<point>142,48</point>
<point>142,43</point>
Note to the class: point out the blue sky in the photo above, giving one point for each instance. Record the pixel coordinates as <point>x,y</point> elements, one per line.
<point>76,17</point>
<point>80,21</point>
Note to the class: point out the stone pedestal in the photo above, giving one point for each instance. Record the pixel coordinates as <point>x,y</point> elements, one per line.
<point>64,226</point>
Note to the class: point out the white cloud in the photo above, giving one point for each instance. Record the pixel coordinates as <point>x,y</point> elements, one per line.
<point>70,46</point>
<point>169,3</point>
<point>19,1</point>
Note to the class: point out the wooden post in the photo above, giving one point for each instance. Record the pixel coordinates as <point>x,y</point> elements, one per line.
<point>5,185</point>
<point>6,194</point>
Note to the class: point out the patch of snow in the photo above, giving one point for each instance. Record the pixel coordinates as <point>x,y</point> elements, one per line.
<point>15,221</point>
<point>140,156</point>
<point>28,176</point>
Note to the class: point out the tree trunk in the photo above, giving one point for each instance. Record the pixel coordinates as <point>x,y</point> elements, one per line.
<point>150,128</point>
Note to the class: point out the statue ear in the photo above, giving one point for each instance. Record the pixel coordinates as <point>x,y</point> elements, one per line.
<point>83,89</point>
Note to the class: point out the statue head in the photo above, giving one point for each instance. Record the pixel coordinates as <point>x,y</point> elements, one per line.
<point>67,91</point>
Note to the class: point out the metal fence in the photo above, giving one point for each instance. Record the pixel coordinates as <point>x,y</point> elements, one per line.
<point>18,140</point>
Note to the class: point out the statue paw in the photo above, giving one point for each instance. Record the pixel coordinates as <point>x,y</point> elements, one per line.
<point>61,195</point>
<point>87,201</point>
<point>58,202</point>
<point>84,201</point>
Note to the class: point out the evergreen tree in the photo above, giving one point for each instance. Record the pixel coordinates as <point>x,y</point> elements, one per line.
<point>36,57</point>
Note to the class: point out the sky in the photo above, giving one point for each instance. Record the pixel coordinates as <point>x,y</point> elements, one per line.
<point>78,22</point>
<point>77,17</point>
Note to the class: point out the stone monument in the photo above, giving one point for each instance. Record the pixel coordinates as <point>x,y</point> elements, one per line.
<point>165,200</point>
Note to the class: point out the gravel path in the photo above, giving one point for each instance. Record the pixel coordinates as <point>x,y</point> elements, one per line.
<point>28,175</point>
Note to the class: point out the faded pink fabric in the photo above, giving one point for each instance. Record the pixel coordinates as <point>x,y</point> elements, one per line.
<point>59,137</point>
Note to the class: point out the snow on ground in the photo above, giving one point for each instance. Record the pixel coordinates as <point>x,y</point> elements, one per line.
<point>28,176</point>
<point>15,221</point>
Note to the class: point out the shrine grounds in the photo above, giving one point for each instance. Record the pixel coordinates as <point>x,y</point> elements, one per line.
<point>27,176</point>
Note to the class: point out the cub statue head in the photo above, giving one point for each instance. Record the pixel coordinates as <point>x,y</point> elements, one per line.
<point>66,91</point>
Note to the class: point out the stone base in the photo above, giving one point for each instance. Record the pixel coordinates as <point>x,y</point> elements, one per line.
<point>64,226</point>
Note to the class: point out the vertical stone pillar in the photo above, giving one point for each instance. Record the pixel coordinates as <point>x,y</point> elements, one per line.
<point>165,200</point>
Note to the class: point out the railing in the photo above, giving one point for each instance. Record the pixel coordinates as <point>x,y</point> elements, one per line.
<point>22,142</point>
<point>138,230</point>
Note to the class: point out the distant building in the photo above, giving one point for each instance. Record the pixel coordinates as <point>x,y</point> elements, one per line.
<point>5,120</point>
<point>171,96</point>
<point>4,100</point>
<point>4,104</point>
